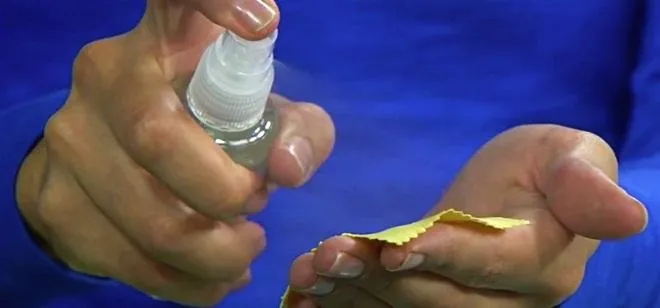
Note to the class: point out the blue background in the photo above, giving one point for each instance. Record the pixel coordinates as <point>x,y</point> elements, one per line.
<point>40,39</point>
<point>554,74</point>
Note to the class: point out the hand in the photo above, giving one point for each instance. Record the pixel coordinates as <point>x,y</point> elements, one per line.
<point>126,185</point>
<point>562,180</point>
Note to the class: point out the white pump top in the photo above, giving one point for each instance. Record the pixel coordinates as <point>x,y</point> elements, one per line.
<point>229,90</point>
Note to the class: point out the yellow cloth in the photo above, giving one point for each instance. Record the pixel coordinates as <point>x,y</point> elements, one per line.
<point>403,234</point>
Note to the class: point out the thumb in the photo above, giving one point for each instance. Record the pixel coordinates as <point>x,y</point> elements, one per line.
<point>582,193</point>
<point>250,19</point>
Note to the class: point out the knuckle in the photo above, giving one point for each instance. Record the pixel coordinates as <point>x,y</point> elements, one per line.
<point>152,134</point>
<point>256,203</point>
<point>84,64</point>
<point>311,108</point>
<point>555,137</point>
<point>561,140</point>
<point>551,142</point>
<point>59,132</point>
<point>309,119</point>
<point>549,137</point>
<point>225,205</point>
<point>260,240</point>
<point>318,113</point>
<point>163,237</point>
<point>249,243</point>
<point>88,64</point>
<point>599,152</point>
<point>235,197</point>
<point>48,216</point>
<point>49,210</point>
<point>325,128</point>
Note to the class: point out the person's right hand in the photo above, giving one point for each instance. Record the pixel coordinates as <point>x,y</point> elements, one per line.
<point>126,185</point>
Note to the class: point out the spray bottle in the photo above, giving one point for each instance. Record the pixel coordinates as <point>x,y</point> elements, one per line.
<point>229,96</point>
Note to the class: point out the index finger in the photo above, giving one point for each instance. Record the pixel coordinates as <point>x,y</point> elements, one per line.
<point>154,128</point>
<point>250,19</point>
<point>527,259</point>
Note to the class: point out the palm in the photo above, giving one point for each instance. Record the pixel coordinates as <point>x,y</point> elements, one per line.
<point>527,173</point>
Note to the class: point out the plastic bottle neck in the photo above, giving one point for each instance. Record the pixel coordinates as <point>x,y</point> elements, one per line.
<point>230,88</point>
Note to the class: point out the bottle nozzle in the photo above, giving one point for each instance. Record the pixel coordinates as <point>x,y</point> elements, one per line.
<point>230,87</point>
<point>246,57</point>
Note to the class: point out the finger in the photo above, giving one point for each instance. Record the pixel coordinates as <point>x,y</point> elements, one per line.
<point>250,19</point>
<point>89,243</point>
<point>257,202</point>
<point>352,261</point>
<point>307,284</point>
<point>169,232</point>
<point>304,279</point>
<point>391,288</point>
<point>554,161</point>
<point>305,141</point>
<point>422,290</point>
<point>336,254</point>
<point>347,295</point>
<point>529,259</point>
<point>150,123</point>
<point>147,213</point>
<point>576,171</point>
<point>345,257</point>
<point>589,203</point>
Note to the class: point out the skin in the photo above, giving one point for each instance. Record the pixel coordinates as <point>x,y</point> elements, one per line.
<point>126,185</point>
<point>562,180</point>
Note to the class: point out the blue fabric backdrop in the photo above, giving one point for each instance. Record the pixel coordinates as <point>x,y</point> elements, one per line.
<point>40,39</point>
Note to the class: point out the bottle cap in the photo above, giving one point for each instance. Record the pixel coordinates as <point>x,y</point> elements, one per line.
<point>233,80</point>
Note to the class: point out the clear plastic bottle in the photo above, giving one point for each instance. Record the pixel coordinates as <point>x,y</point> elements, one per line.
<point>229,96</point>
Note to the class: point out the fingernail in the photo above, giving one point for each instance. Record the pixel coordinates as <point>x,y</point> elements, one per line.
<point>322,286</point>
<point>644,211</point>
<point>301,150</point>
<point>255,204</point>
<point>255,15</point>
<point>346,266</point>
<point>412,260</point>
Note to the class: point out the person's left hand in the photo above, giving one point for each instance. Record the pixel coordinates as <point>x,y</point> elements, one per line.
<point>560,179</point>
